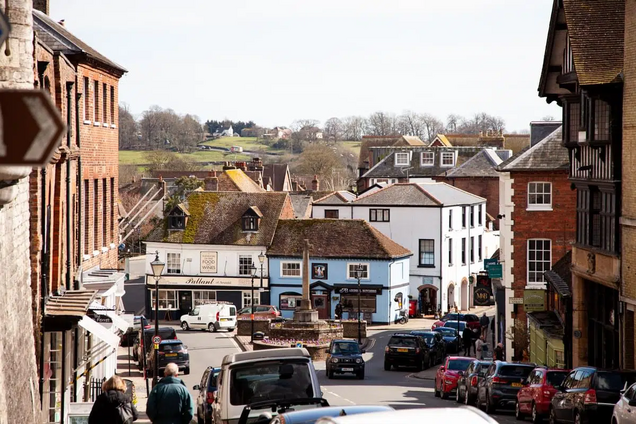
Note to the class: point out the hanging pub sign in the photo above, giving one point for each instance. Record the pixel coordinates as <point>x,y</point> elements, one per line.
<point>208,262</point>
<point>100,318</point>
<point>353,289</point>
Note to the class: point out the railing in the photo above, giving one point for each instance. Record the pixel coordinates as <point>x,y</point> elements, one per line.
<point>95,388</point>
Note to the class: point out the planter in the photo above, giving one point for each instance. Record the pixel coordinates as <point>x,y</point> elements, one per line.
<point>350,329</point>
<point>317,352</point>
<point>244,327</point>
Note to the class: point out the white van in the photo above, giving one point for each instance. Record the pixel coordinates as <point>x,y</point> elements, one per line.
<point>211,316</point>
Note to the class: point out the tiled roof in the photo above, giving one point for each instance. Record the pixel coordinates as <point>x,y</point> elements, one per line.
<point>448,195</point>
<point>334,238</point>
<point>364,160</point>
<point>596,29</point>
<point>514,142</point>
<point>302,205</point>
<point>481,165</point>
<point>560,274</point>
<point>59,39</point>
<point>71,303</point>
<point>410,140</point>
<point>442,139</point>
<point>242,181</point>
<point>336,198</point>
<point>422,194</point>
<point>548,154</point>
<point>215,218</point>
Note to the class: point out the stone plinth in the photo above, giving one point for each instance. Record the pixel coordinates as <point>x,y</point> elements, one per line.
<point>244,327</point>
<point>317,352</point>
<point>350,329</point>
<point>306,315</point>
<point>293,330</point>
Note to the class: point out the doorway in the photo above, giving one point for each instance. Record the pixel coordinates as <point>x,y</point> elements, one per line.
<point>185,302</point>
<point>320,302</point>
<point>451,297</point>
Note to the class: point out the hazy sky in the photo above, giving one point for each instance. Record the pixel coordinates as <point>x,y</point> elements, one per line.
<point>274,61</point>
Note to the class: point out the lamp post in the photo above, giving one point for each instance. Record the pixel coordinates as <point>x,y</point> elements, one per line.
<point>358,273</point>
<point>157,269</point>
<point>261,259</point>
<point>253,273</point>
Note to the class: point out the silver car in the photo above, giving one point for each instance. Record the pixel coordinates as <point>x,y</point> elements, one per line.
<point>625,408</point>
<point>463,414</point>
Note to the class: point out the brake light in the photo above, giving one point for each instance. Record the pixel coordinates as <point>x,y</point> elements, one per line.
<point>386,349</point>
<point>499,380</point>
<point>218,314</point>
<point>417,350</point>
<point>161,353</point>
<point>547,394</point>
<point>590,397</point>
<point>473,381</point>
<point>210,397</point>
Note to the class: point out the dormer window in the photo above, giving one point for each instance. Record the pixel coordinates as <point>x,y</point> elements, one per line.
<point>448,159</point>
<point>251,219</point>
<point>402,159</point>
<point>428,159</point>
<point>178,218</point>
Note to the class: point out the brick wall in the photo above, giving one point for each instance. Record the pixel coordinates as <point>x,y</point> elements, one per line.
<point>487,188</point>
<point>558,225</point>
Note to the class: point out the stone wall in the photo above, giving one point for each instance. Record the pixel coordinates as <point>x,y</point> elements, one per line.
<point>244,327</point>
<point>318,353</point>
<point>350,329</point>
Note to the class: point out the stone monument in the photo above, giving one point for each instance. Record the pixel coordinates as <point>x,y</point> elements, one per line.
<point>305,313</point>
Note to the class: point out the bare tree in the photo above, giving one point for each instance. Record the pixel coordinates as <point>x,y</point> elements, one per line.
<point>382,124</point>
<point>410,123</point>
<point>128,129</point>
<point>482,122</point>
<point>334,165</point>
<point>453,122</point>
<point>150,127</point>
<point>548,118</point>
<point>334,129</point>
<point>431,127</point>
<point>354,127</point>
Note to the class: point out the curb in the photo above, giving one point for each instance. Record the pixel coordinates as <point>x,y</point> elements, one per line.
<point>421,377</point>
<point>240,345</point>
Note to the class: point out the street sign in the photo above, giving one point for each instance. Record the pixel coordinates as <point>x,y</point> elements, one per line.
<point>482,297</point>
<point>4,28</point>
<point>495,271</point>
<point>488,262</point>
<point>515,300</point>
<point>534,300</point>
<point>156,339</point>
<point>156,346</point>
<point>299,344</point>
<point>30,127</point>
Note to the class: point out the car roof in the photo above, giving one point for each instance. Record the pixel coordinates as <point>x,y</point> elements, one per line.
<point>467,414</point>
<point>403,335</point>
<point>152,330</point>
<point>331,411</point>
<point>256,355</point>
<point>344,341</point>
<point>515,364</point>
<point>422,332</point>
<point>452,358</point>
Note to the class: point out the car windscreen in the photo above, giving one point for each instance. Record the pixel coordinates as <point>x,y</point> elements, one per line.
<point>555,379</point>
<point>270,380</point>
<point>428,337</point>
<point>459,364</point>
<point>447,331</point>
<point>403,341</point>
<point>514,371</point>
<point>456,325</point>
<point>345,348</point>
<point>171,347</point>
<point>614,381</point>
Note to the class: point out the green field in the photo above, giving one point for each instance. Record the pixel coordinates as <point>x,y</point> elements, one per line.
<point>136,157</point>
<point>354,146</point>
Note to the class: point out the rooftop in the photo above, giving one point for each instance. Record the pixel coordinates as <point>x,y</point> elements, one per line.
<point>419,194</point>
<point>547,155</point>
<point>481,165</point>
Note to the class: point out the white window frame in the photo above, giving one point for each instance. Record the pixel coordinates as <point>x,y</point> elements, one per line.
<point>450,220</point>
<point>534,205</point>
<point>247,299</point>
<point>450,252</point>
<point>239,263</point>
<point>405,162</point>
<point>288,275</point>
<point>480,215</point>
<point>203,297</point>
<point>430,159</point>
<point>164,303</point>
<point>441,160</point>
<point>545,264</point>
<point>170,269</point>
<point>351,270</point>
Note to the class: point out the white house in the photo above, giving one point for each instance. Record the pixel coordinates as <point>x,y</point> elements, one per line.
<point>444,226</point>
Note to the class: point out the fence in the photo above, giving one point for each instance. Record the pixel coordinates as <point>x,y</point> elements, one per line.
<point>95,390</point>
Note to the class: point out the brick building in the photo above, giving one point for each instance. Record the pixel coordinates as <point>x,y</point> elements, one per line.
<point>584,73</point>
<point>537,229</point>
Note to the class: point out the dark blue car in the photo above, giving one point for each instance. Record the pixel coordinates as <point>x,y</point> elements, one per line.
<point>205,399</point>
<point>451,337</point>
<point>345,356</point>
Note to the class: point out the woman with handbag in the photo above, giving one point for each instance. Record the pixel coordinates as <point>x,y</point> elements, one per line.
<point>112,406</point>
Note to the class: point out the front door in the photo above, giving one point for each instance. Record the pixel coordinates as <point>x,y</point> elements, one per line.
<point>320,303</point>
<point>185,302</point>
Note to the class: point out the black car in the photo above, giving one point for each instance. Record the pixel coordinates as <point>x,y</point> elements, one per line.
<point>499,387</point>
<point>345,356</point>
<point>406,349</point>
<point>129,337</point>
<point>469,381</point>
<point>436,345</point>
<point>588,395</point>
<point>166,333</point>
<point>206,395</point>
<point>452,338</point>
<point>170,351</point>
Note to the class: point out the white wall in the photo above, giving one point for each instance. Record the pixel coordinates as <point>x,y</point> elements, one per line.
<point>506,207</point>
<point>318,211</point>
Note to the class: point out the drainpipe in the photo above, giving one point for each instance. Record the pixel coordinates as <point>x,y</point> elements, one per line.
<point>63,409</point>
<point>80,236</point>
<point>69,131</point>
<point>441,265</point>
<point>471,221</point>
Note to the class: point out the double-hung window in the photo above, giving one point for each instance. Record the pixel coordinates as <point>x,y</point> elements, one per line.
<point>472,250</point>
<point>245,264</point>
<point>351,271</point>
<point>539,259</point>
<point>464,251</point>
<point>379,215</point>
<point>173,263</point>
<point>480,215</point>
<point>450,252</point>
<point>427,252</point>
<point>448,159</point>
<point>428,159</point>
<point>463,217</point>
<point>480,255</point>
<point>290,269</point>
<point>539,196</point>
<point>450,219</point>
<point>402,159</point>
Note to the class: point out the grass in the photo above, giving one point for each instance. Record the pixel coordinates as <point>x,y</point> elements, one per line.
<point>354,146</point>
<point>247,143</point>
<point>135,157</point>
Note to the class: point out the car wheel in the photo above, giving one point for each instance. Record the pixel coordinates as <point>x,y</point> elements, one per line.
<point>185,326</point>
<point>387,366</point>
<point>489,407</point>
<point>467,398</point>
<point>361,375</point>
<point>536,418</point>
<point>211,327</point>
<point>444,392</point>
<point>458,398</point>
<point>229,330</point>
<point>518,414</point>
<point>552,416</point>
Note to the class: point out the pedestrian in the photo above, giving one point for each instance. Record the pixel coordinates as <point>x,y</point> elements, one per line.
<point>339,311</point>
<point>499,354</point>
<point>112,406</point>
<point>482,348</point>
<point>484,321</point>
<point>467,340</point>
<point>170,402</point>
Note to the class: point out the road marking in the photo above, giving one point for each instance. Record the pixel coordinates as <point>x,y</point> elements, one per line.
<point>338,396</point>
<point>231,337</point>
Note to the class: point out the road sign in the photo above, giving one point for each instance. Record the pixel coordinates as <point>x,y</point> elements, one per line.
<point>299,344</point>
<point>488,262</point>
<point>156,339</point>
<point>30,127</point>
<point>156,346</point>
<point>4,28</point>
<point>516,300</point>
<point>495,271</point>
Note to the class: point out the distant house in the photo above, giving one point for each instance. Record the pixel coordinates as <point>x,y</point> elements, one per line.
<point>276,177</point>
<point>224,132</point>
<point>366,161</point>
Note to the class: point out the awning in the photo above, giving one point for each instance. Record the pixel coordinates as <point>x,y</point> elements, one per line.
<point>99,331</point>
<point>118,321</point>
<point>560,286</point>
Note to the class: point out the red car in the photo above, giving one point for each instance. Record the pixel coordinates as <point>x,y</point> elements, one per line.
<point>536,394</point>
<point>471,320</point>
<point>448,374</point>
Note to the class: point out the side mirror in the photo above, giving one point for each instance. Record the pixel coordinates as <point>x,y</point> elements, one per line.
<point>632,402</point>
<point>196,387</point>
<point>442,368</point>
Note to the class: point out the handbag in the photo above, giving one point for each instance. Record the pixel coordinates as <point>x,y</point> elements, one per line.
<point>125,413</point>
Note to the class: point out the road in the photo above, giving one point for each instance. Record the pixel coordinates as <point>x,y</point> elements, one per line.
<point>398,389</point>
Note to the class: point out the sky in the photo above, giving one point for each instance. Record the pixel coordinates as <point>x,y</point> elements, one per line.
<point>275,61</point>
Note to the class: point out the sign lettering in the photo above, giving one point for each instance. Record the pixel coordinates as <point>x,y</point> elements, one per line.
<point>209,261</point>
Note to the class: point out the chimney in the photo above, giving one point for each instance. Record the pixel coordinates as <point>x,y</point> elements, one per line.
<point>315,184</point>
<point>42,6</point>
<point>212,182</point>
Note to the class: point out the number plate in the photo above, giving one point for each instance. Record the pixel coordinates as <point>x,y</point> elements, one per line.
<point>403,350</point>
<point>171,354</point>
<point>517,385</point>
<point>347,369</point>
<point>225,319</point>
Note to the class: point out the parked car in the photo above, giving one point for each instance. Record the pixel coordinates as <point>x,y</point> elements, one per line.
<point>471,320</point>
<point>309,416</point>
<point>452,338</point>
<point>463,414</point>
<point>211,316</point>
<point>260,311</point>
<point>588,395</point>
<point>406,349</point>
<point>170,351</point>
<point>469,381</point>
<point>449,373</point>
<point>262,375</point>
<point>436,345</point>
<point>205,398</point>
<point>534,397</point>
<point>141,349</point>
<point>625,408</point>
<point>128,338</point>
<point>345,356</point>
<point>499,388</point>
<point>268,411</point>
<point>458,326</point>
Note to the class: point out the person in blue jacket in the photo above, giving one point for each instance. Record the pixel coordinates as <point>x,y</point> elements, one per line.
<point>170,402</point>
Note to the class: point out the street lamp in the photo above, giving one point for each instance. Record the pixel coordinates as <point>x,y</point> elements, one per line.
<point>157,269</point>
<point>261,259</point>
<point>359,269</point>
<point>253,273</point>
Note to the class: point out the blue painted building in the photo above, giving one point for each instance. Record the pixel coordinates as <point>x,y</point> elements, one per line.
<point>337,247</point>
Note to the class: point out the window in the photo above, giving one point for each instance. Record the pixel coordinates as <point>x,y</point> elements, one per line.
<point>113,204</point>
<point>96,102</point>
<point>472,250</point>
<point>472,217</point>
<point>464,251</point>
<point>572,112</point>
<point>450,219</point>
<point>379,215</point>
<point>332,213</point>
<point>87,101</point>
<point>290,269</point>
<point>95,228</point>
<point>539,196</point>
<point>595,217</point>
<point>173,263</point>
<point>601,120</point>
<point>105,103</point>
<point>87,208</point>
<point>201,297</point>
<point>448,158</point>
<point>428,159</point>
<point>539,259</point>
<point>112,105</point>
<point>245,264</point>
<point>427,252</point>
<point>250,223</point>
<point>402,159</point>
<point>105,212</point>
<point>480,255</point>
<point>289,301</point>
<point>450,251</point>
<point>167,299</point>
<point>351,271</point>
<point>480,216</point>
<point>463,217</point>
<point>350,303</point>
<point>598,214</point>
<point>247,298</point>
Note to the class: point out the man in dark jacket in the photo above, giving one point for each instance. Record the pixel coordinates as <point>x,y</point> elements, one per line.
<point>484,321</point>
<point>170,402</point>
<point>467,340</point>
<point>499,354</point>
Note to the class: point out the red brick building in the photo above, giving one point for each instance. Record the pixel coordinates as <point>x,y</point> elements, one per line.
<point>537,228</point>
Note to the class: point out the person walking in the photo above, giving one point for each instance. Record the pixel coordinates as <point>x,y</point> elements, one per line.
<point>499,354</point>
<point>112,406</point>
<point>339,311</point>
<point>170,402</point>
<point>483,350</point>
<point>484,321</point>
<point>467,340</point>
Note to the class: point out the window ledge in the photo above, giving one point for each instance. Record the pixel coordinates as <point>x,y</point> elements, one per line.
<point>426,266</point>
<point>87,122</point>
<point>96,124</point>
<point>95,253</point>
<point>86,257</point>
<point>105,124</point>
<point>113,126</point>
<point>539,209</point>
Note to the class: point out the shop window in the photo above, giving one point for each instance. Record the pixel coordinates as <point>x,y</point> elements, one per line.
<point>245,264</point>
<point>351,271</point>
<point>539,196</point>
<point>173,263</point>
<point>427,252</point>
<point>332,213</point>
<point>379,215</point>
<point>247,298</point>
<point>290,301</point>
<point>202,297</point>
<point>167,299</point>
<point>367,303</point>
<point>290,269</point>
<point>539,259</point>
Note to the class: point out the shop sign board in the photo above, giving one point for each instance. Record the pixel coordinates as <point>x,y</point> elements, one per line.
<point>534,300</point>
<point>209,260</point>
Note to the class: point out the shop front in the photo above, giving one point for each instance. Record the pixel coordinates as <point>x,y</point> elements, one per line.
<point>178,295</point>
<point>370,298</point>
